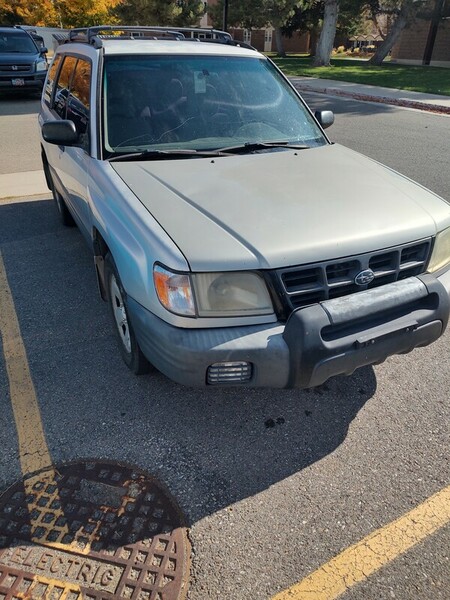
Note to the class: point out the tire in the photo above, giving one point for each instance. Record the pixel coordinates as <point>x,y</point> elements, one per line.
<point>64,214</point>
<point>129,348</point>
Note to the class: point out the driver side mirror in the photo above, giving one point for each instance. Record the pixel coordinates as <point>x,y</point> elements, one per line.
<point>325,117</point>
<point>43,51</point>
<point>61,133</point>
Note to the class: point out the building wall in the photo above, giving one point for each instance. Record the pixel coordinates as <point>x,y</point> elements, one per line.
<point>299,42</point>
<point>411,45</point>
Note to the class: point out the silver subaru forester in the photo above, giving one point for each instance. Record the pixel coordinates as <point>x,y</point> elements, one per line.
<point>230,237</point>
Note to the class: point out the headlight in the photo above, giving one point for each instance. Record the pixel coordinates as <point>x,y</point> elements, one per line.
<point>41,65</point>
<point>441,251</point>
<point>231,294</point>
<point>174,291</point>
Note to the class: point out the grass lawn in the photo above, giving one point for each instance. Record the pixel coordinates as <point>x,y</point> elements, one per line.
<point>431,80</point>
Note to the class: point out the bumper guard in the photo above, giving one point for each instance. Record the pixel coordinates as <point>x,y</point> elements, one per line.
<point>338,336</point>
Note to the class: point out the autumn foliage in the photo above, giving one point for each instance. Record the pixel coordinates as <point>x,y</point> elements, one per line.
<point>82,13</point>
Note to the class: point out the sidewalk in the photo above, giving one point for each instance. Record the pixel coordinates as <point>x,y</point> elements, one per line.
<point>25,183</point>
<point>370,93</point>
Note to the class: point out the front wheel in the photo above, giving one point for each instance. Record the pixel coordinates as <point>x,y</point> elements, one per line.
<point>129,348</point>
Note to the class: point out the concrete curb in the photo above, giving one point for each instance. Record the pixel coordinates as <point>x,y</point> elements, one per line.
<point>443,110</point>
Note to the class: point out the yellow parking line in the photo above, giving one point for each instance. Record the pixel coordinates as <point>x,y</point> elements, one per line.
<point>34,454</point>
<point>356,563</point>
<point>33,451</point>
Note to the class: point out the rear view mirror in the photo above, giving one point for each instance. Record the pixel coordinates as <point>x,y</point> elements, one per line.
<point>61,133</point>
<point>325,117</point>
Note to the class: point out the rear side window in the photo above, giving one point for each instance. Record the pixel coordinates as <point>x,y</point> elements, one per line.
<point>79,97</point>
<point>51,79</point>
<point>62,86</point>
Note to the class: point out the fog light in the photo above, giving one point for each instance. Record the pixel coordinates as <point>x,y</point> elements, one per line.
<point>229,372</point>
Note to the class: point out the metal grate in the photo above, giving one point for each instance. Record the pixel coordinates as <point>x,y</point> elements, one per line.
<point>308,284</point>
<point>91,531</point>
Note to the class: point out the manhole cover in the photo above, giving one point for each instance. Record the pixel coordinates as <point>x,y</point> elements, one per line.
<point>93,531</point>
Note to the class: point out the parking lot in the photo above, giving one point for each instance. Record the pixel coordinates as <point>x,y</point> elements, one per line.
<point>271,484</point>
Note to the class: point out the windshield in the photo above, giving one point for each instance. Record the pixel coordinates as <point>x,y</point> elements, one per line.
<point>200,103</point>
<point>16,42</point>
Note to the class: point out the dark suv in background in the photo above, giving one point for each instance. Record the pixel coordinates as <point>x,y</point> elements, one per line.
<point>23,66</point>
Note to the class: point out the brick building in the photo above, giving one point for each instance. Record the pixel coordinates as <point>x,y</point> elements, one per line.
<point>413,41</point>
<point>262,39</point>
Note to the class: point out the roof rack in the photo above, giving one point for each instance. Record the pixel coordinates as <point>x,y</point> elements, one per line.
<point>96,35</point>
<point>203,33</point>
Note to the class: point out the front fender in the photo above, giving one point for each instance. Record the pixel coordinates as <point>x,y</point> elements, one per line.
<point>133,237</point>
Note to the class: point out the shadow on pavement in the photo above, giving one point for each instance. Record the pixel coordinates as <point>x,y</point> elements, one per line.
<point>25,103</point>
<point>212,447</point>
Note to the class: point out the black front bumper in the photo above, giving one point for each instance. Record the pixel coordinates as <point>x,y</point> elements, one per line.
<point>31,82</point>
<point>338,336</point>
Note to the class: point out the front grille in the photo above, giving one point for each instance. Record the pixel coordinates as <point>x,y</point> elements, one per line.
<point>15,69</point>
<point>308,284</point>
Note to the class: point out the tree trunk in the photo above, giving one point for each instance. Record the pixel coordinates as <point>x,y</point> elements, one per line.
<point>438,13</point>
<point>393,34</point>
<point>327,35</point>
<point>279,42</point>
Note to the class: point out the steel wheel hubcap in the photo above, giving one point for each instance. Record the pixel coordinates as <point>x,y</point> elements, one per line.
<point>120,315</point>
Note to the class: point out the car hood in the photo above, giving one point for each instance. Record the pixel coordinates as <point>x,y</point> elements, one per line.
<point>273,209</point>
<point>17,58</point>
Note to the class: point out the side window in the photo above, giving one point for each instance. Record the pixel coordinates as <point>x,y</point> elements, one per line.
<point>51,79</point>
<point>62,86</point>
<point>79,97</point>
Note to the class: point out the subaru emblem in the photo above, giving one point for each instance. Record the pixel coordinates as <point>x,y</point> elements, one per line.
<point>365,277</point>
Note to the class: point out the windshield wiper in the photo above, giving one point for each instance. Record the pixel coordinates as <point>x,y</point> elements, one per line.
<point>166,154</point>
<point>248,147</point>
<point>255,146</point>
